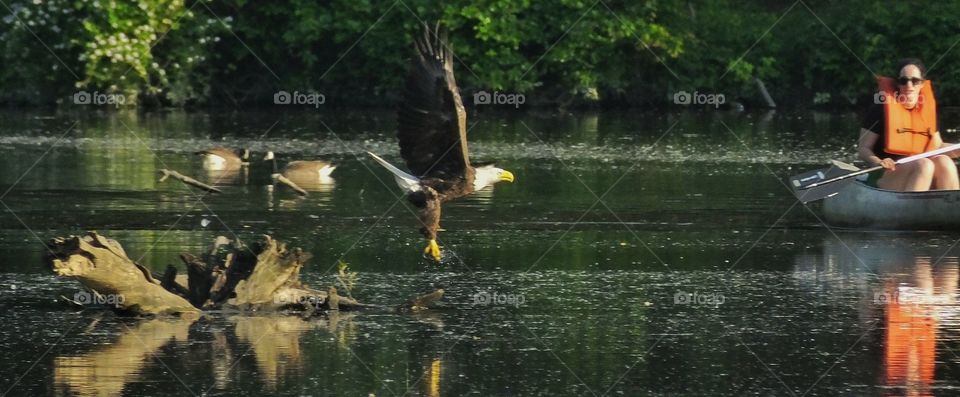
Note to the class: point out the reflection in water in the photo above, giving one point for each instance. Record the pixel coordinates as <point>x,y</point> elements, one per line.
<point>688,225</point>
<point>433,374</point>
<point>320,193</point>
<point>274,342</point>
<point>105,372</point>
<point>483,196</point>
<point>913,304</point>
<point>429,317</point>
<point>313,184</point>
<point>222,358</point>
<point>240,176</point>
<point>915,300</point>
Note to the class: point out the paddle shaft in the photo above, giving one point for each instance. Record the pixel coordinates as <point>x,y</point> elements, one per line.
<point>841,177</point>
<point>871,169</point>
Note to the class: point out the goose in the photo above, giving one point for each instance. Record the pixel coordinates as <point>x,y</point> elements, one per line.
<point>317,171</point>
<point>222,159</point>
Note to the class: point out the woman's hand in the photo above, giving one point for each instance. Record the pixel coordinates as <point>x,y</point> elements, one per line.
<point>888,164</point>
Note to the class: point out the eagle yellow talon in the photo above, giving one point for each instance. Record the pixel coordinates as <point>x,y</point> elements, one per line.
<point>433,250</point>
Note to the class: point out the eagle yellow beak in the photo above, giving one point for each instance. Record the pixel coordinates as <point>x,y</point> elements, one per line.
<point>506,176</point>
<point>433,250</point>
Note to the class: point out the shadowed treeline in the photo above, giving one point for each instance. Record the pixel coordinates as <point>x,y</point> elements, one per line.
<point>611,53</point>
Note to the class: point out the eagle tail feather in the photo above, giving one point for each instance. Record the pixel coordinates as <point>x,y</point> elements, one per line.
<point>406,181</point>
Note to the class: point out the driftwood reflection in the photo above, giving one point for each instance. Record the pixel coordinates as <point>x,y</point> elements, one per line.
<point>106,371</point>
<point>230,349</point>
<point>275,341</point>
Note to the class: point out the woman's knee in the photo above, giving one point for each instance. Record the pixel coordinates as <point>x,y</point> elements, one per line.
<point>924,167</point>
<point>944,163</point>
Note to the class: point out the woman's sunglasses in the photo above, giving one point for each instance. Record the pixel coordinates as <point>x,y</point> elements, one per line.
<point>904,80</point>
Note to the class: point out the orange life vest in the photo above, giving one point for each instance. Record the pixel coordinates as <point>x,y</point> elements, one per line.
<point>909,131</point>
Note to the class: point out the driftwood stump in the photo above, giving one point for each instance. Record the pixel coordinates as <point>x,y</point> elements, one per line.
<point>263,276</point>
<point>101,265</point>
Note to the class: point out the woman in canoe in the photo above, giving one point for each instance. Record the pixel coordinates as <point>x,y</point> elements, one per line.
<point>903,122</point>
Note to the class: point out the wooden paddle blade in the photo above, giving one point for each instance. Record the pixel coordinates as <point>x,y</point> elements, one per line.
<point>800,183</point>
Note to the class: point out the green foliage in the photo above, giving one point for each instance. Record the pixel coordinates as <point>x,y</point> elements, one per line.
<point>144,49</point>
<point>837,47</point>
<point>40,47</point>
<point>346,278</point>
<point>355,52</point>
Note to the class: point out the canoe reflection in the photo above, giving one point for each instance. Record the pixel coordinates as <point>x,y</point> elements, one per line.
<point>914,300</point>
<point>912,306</point>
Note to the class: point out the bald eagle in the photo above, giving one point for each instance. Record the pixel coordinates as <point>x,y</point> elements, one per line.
<point>432,130</point>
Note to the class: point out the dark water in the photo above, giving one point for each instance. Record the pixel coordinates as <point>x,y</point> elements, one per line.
<point>697,273</point>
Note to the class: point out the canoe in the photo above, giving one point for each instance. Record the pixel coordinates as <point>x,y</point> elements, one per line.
<point>861,206</point>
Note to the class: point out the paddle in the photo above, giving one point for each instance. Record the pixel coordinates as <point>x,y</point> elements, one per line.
<point>820,184</point>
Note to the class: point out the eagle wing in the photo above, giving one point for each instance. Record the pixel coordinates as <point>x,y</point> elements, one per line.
<point>431,119</point>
